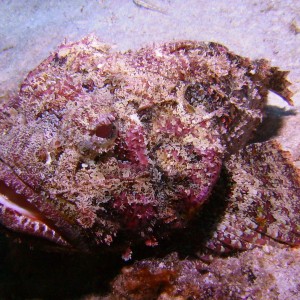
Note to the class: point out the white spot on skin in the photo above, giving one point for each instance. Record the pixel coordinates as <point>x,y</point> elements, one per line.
<point>158,53</point>
<point>222,228</point>
<point>49,159</point>
<point>135,118</point>
<point>36,226</point>
<point>20,220</point>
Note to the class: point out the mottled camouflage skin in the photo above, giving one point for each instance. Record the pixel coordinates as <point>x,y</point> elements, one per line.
<point>255,210</point>
<point>108,149</point>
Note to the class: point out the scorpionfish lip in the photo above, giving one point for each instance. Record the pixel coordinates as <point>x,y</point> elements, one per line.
<point>19,215</point>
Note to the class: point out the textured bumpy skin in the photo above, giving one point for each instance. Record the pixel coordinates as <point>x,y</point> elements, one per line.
<point>261,216</point>
<point>108,148</point>
<point>261,207</point>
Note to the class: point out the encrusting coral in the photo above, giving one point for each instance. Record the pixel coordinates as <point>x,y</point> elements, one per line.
<point>252,275</point>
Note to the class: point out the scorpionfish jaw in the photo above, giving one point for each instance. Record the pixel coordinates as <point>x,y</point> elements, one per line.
<point>19,215</point>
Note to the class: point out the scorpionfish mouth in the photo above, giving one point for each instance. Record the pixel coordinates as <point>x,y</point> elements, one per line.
<point>19,213</point>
